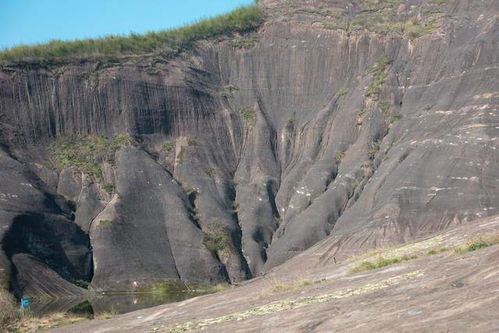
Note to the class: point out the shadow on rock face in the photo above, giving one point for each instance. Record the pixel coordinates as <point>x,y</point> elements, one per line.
<point>54,242</point>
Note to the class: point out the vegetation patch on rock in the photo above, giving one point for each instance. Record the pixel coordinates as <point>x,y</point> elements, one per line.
<point>109,188</point>
<point>244,42</point>
<point>167,146</point>
<point>380,263</point>
<point>482,242</point>
<point>385,17</point>
<point>379,75</point>
<point>86,152</point>
<point>216,241</point>
<point>248,114</point>
<point>103,223</point>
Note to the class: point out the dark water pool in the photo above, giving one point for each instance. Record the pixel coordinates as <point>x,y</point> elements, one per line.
<point>116,303</point>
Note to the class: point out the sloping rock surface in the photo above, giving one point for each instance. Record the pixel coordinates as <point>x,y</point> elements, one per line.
<point>445,291</point>
<point>241,158</point>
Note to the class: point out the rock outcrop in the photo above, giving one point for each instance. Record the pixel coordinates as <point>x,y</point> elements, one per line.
<point>320,126</point>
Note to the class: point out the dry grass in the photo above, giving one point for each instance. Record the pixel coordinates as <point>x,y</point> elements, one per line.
<point>277,286</point>
<point>290,304</point>
<point>9,312</point>
<point>395,251</point>
<point>29,323</point>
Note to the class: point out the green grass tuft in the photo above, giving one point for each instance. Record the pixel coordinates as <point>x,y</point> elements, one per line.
<point>103,223</point>
<point>167,146</point>
<point>248,115</point>
<point>380,263</point>
<point>339,157</point>
<point>381,65</point>
<point>390,117</point>
<point>109,188</point>
<point>479,244</point>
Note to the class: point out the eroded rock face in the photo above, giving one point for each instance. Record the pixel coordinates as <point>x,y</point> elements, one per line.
<point>37,230</point>
<point>243,158</point>
<point>34,278</point>
<point>145,232</point>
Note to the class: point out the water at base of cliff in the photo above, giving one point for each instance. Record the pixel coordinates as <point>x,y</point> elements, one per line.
<point>106,304</point>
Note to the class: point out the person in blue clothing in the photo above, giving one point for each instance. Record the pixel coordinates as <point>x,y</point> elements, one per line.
<point>25,302</point>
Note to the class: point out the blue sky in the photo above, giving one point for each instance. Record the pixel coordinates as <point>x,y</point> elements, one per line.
<point>36,21</point>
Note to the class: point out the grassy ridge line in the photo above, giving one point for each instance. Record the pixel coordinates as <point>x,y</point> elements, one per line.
<point>241,20</point>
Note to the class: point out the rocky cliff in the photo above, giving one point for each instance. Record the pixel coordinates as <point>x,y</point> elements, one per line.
<point>361,123</point>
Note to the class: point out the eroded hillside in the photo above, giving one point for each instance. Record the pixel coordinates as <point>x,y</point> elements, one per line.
<point>361,122</point>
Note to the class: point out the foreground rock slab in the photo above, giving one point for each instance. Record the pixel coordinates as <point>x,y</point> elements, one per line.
<point>437,288</point>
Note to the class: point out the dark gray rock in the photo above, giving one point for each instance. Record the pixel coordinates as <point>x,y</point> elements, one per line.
<point>70,183</point>
<point>32,223</point>
<point>54,240</point>
<point>301,138</point>
<point>90,204</point>
<point>34,278</point>
<point>145,233</point>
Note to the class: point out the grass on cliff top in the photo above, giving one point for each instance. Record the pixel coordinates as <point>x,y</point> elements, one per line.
<point>168,42</point>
